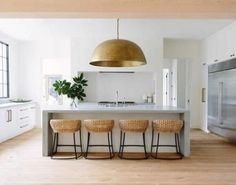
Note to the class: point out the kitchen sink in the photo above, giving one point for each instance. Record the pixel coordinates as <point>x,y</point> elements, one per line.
<point>114,104</point>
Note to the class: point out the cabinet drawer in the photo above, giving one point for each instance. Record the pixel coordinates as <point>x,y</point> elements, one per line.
<point>24,125</point>
<point>24,111</point>
<point>24,118</point>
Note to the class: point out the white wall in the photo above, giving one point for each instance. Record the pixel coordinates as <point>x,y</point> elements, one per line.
<point>131,86</point>
<point>31,55</point>
<point>13,63</point>
<point>190,51</point>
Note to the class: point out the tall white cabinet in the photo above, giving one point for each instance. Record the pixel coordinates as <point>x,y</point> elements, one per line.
<point>16,119</point>
<point>216,48</point>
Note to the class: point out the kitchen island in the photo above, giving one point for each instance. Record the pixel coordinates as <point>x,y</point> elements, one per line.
<point>116,112</point>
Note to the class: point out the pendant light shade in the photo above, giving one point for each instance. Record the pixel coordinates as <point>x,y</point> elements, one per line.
<point>118,53</point>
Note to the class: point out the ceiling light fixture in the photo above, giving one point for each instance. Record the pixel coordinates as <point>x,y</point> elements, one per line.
<point>118,53</point>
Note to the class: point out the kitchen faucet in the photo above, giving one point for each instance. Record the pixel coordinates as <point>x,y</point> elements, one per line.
<point>117,97</point>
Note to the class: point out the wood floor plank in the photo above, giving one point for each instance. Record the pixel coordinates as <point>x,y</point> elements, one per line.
<point>212,162</point>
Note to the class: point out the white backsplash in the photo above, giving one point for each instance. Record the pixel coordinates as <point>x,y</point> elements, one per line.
<point>131,86</point>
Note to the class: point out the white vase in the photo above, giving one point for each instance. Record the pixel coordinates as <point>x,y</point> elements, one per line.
<point>73,103</point>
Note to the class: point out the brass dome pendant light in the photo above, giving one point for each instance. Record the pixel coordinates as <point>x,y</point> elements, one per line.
<point>118,53</point>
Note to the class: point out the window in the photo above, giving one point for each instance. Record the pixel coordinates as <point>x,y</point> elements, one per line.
<point>4,71</point>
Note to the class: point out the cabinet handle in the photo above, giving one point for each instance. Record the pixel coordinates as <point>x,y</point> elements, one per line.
<point>216,60</point>
<point>9,116</point>
<point>25,125</point>
<point>24,117</point>
<point>32,107</point>
<point>232,55</point>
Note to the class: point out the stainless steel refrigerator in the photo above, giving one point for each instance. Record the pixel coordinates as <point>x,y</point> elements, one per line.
<point>222,99</point>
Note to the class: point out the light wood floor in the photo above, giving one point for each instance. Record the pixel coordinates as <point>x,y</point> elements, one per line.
<point>212,162</point>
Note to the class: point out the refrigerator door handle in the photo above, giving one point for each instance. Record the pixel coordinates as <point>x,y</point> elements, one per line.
<point>220,102</point>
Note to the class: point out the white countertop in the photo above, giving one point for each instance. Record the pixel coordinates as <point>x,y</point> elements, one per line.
<point>13,104</point>
<point>94,107</point>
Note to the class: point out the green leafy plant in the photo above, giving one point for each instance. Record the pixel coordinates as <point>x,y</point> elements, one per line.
<point>72,90</point>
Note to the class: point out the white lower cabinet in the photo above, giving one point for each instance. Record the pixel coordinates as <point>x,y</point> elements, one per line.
<point>8,126</point>
<point>4,118</point>
<point>16,120</point>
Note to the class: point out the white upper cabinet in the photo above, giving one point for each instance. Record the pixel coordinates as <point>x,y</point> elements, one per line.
<point>211,49</point>
<point>230,37</point>
<point>221,45</point>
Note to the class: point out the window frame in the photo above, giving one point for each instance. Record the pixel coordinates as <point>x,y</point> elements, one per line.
<point>7,70</point>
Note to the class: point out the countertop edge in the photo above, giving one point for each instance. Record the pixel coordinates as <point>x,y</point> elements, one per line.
<point>2,106</point>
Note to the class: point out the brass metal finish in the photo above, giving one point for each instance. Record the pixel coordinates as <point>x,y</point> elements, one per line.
<point>118,53</point>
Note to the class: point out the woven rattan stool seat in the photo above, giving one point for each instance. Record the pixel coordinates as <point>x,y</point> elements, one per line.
<point>65,126</point>
<point>102,127</point>
<point>60,126</point>
<point>162,127</point>
<point>173,126</point>
<point>133,125</point>
<point>98,125</point>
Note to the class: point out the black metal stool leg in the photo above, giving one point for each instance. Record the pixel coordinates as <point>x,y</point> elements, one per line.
<point>80,138</point>
<point>53,145</point>
<point>112,149</point>
<point>109,145</point>
<point>180,153</point>
<point>144,146</point>
<point>152,141</point>
<point>176,144</point>
<point>74,145</point>
<point>177,147</point>
<point>158,138</point>
<point>108,139</point>
<point>57,137</point>
<point>123,145</point>
<point>120,142</point>
<point>86,154</point>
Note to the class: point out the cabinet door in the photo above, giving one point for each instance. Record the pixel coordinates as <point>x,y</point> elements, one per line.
<point>3,120</point>
<point>228,101</point>
<point>227,42</point>
<point>232,41</point>
<point>211,53</point>
<point>8,127</point>
<point>12,122</point>
<point>223,46</point>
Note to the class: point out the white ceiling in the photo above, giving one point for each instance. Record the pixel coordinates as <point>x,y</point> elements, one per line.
<point>37,29</point>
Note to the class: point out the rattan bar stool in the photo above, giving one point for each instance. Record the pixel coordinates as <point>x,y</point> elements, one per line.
<point>65,126</point>
<point>166,126</point>
<point>100,126</point>
<point>132,126</point>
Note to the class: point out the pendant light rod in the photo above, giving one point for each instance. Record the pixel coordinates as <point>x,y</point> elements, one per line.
<point>117,28</point>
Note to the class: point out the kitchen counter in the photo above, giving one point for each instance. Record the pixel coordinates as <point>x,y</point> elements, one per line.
<point>13,104</point>
<point>94,111</point>
<point>94,107</point>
